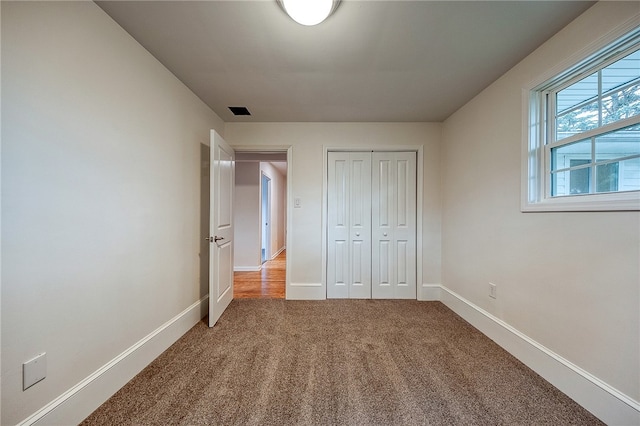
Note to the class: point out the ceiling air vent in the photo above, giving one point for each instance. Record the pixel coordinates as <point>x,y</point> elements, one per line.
<point>239,111</point>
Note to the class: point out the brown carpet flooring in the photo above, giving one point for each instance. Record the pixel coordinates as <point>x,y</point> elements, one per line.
<point>338,362</point>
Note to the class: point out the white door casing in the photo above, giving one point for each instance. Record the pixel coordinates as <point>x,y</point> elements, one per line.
<point>222,177</point>
<point>393,213</point>
<point>349,225</point>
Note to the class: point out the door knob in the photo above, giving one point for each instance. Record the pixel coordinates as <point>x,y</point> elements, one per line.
<point>213,239</point>
<point>357,234</point>
<point>384,233</point>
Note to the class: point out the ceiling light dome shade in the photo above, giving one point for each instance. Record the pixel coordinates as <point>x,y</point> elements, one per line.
<point>309,12</point>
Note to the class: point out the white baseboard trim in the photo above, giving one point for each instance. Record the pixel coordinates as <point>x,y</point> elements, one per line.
<point>306,291</point>
<point>77,403</point>
<point>602,400</point>
<point>430,292</point>
<point>247,268</point>
<point>607,403</point>
<point>277,253</point>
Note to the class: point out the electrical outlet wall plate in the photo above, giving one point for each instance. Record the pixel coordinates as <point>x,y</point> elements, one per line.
<point>34,371</point>
<point>492,290</point>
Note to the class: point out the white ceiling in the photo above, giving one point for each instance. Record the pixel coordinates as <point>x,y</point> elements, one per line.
<point>370,61</point>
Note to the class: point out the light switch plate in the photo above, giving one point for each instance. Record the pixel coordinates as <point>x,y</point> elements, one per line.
<point>34,370</point>
<point>297,203</point>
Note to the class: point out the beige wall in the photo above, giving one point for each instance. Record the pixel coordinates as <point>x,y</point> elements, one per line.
<point>278,206</point>
<point>101,205</point>
<point>246,215</point>
<point>307,141</point>
<point>100,195</point>
<point>570,281</point>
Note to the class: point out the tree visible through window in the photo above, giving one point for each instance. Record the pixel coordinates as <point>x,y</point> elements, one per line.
<point>583,138</point>
<point>595,143</point>
<point>606,96</point>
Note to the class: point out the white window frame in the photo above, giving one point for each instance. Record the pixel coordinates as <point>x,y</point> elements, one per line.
<point>536,162</point>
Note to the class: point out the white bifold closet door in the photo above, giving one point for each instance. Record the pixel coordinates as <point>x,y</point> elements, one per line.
<point>349,224</point>
<point>371,225</point>
<point>393,214</point>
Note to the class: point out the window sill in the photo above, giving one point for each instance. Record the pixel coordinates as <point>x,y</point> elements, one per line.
<point>627,201</point>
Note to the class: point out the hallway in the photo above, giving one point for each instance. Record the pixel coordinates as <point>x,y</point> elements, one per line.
<point>268,283</point>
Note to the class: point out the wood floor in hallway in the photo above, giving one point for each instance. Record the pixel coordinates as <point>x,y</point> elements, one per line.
<point>267,283</point>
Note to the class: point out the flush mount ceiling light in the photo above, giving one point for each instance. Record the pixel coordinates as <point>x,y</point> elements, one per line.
<point>309,12</point>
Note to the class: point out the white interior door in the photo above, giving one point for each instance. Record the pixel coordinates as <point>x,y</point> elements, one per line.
<point>393,216</point>
<point>349,225</point>
<point>221,227</point>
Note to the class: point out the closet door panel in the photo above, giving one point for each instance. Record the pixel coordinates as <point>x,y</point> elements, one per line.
<point>360,224</point>
<point>394,224</point>
<point>383,271</point>
<point>405,225</point>
<point>338,226</point>
<point>360,283</point>
<point>382,218</point>
<point>349,225</point>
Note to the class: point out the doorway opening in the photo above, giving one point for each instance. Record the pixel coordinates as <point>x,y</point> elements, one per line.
<point>260,215</point>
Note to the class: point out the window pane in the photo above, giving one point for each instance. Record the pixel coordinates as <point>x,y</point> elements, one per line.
<point>621,72</point>
<point>607,177</point>
<point>577,121</point>
<point>621,143</point>
<point>629,175</point>
<point>621,104</point>
<point>559,183</point>
<point>562,157</point>
<point>571,182</point>
<point>577,93</point>
<point>584,133</point>
<point>579,179</point>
